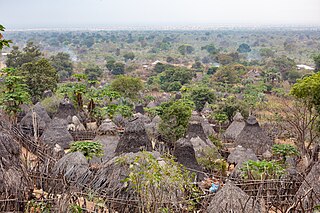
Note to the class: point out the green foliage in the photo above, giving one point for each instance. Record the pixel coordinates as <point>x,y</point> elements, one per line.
<point>127,86</point>
<point>129,56</point>
<point>212,70</point>
<point>38,206</point>
<point>160,67</point>
<point>88,148</point>
<point>212,163</point>
<point>116,68</point>
<point>262,170</point>
<point>30,53</point>
<point>210,48</point>
<point>185,49</point>
<point>316,60</point>
<point>244,48</point>
<point>40,76</point>
<point>51,104</point>
<point>173,78</point>
<point>74,208</point>
<point>284,150</point>
<point>3,42</point>
<point>175,119</point>
<point>201,95</point>
<point>14,91</point>
<point>63,64</point>
<point>229,74</point>
<point>154,184</point>
<point>93,72</point>
<point>216,141</point>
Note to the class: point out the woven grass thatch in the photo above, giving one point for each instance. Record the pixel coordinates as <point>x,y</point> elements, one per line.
<point>66,108</point>
<point>231,198</point>
<point>200,146</point>
<point>41,117</point>
<point>152,128</point>
<point>206,111</point>
<point>119,120</point>
<point>143,117</point>
<point>185,154</point>
<point>134,138</point>
<point>235,128</point>
<point>57,133</point>
<point>309,191</point>
<point>74,167</point>
<point>207,128</point>
<point>253,137</point>
<point>240,155</point>
<point>152,104</point>
<point>195,128</point>
<point>139,109</point>
<point>109,138</point>
<point>14,181</point>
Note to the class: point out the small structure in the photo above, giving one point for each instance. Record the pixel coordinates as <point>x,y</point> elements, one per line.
<point>152,128</point>
<point>36,119</point>
<point>66,108</point>
<point>206,111</point>
<point>231,198</point>
<point>57,133</point>
<point>139,109</point>
<point>253,137</point>
<point>107,135</point>
<point>235,128</point>
<point>119,120</point>
<point>134,138</point>
<point>195,128</point>
<point>151,104</point>
<point>240,155</point>
<point>143,117</point>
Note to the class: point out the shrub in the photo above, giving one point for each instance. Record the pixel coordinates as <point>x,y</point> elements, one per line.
<point>88,148</point>
<point>262,170</point>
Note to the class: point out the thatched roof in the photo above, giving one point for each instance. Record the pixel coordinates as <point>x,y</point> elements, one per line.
<point>207,128</point>
<point>57,133</point>
<point>119,120</point>
<point>152,128</point>
<point>139,109</point>
<point>107,128</point>
<point>41,116</point>
<point>240,155</point>
<point>74,167</point>
<point>185,154</point>
<point>252,136</point>
<point>143,117</point>
<point>231,198</point>
<point>134,138</point>
<point>235,127</point>
<point>151,104</point>
<point>309,191</point>
<point>200,146</point>
<point>66,108</point>
<point>195,128</point>
<point>206,111</point>
<point>14,181</point>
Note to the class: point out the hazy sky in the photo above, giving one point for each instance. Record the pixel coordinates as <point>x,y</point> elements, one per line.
<point>99,13</point>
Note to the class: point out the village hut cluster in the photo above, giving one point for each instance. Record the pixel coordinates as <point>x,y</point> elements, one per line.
<point>123,138</point>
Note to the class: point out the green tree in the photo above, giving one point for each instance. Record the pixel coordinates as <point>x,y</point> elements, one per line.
<point>211,49</point>
<point>3,42</point>
<point>88,148</point>
<point>129,56</point>
<point>201,95</point>
<point>244,48</point>
<point>175,76</point>
<point>127,86</point>
<point>175,119</point>
<point>93,72</point>
<point>17,58</point>
<point>316,60</point>
<point>116,68</point>
<point>14,92</point>
<point>63,64</point>
<point>229,74</point>
<point>185,49</point>
<point>40,76</point>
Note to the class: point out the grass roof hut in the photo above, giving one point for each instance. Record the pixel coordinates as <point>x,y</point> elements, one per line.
<point>195,128</point>
<point>235,128</point>
<point>309,191</point>
<point>134,138</point>
<point>143,117</point>
<point>14,181</point>
<point>57,133</point>
<point>240,155</point>
<point>65,109</point>
<point>253,137</point>
<point>152,128</point>
<point>37,115</point>
<point>231,198</point>
<point>185,154</point>
<point>206,111</point>
<point>107,135</point>
<point>119,120</point>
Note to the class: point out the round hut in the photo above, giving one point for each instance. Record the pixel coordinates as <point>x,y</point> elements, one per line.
<point>235,128</point>
<point>14,181</point>
<point>206,111</point>
<point>139,109</point>
<point>200,146</point>
<point>252,136</point>
<point>153,127</point>
<point>66,108</point>
<point>107,135</point>
<point>38,116</point>
<point>195,128</point>
<point>119,120</point>
<point>57,133</point>
<point>134,138</point>
<point>143,117</point>
<point>240,155</point>
<point>231,198</point>
<point>309,191</point>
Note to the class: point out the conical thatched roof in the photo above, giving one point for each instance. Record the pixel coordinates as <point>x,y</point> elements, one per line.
<point>41,116</point>
<point>200,146</point>
<point>309,191</point>
<point>252,136</point>
<point>151,104</point>
<point>57,133</point>
<point>74,167</point>
<point>14,181</point>
<point>207,128</point>
<point>143,117</point>
<point>66,108</point>
<point>206,111</point>
<point>139,109</point>
<point>152,128</point>
<point>235,127</point>
<point>231,198</point>
<point>119,120</point>
<point>195,128</point>
<point>185,154</point>
<point>240,155</point>
<point>134,138</point>
<point>109,138</point>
